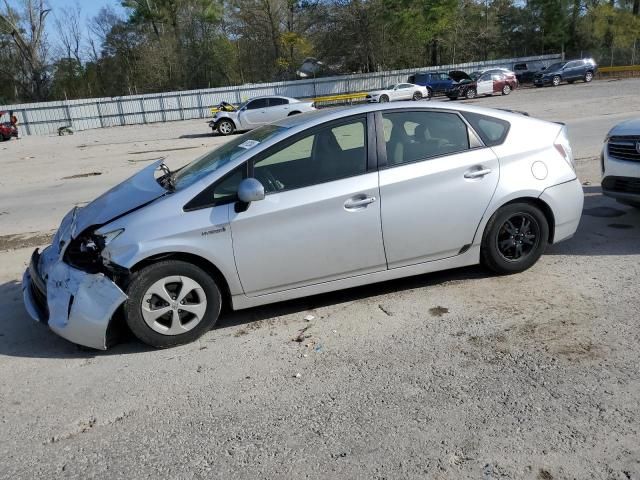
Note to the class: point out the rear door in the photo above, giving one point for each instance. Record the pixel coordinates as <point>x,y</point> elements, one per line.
<point>435,186</point>
<point>277,109</point>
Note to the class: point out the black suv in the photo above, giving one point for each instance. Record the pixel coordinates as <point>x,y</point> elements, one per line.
<point>568,72</point>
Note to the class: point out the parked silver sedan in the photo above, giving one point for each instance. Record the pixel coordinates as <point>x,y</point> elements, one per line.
<point>257,112</point>
<point>317,202</point>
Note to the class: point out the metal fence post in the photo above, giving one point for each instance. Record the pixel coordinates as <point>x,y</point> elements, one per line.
<point>144,115</point>
<point>163,108</point>
<point>121,112</point>
<point>201,110</point>
<point>26,121</point>
<point>178,97</point>
<point>100,115</point>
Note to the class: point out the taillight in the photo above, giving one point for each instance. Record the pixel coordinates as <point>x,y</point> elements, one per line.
<point>563,147</point>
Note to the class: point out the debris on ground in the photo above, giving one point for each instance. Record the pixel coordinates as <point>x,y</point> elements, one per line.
<point>298,375</point>
<point>385,311</point>
<point>438,311</point>
<point>308,318</point>
<point>300,337</point>
<point>65,130</point>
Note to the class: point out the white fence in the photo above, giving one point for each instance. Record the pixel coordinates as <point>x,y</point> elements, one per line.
<point>45,118</point>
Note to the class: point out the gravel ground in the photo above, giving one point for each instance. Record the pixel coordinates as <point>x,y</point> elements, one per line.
<point>451,375</point>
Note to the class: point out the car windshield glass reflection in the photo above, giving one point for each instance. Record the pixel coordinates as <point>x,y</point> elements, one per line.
<point>212,161</point>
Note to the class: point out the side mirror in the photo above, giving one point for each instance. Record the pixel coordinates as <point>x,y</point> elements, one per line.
<point>250,190</point>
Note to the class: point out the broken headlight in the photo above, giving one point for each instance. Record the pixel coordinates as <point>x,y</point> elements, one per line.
<point>84,252</point>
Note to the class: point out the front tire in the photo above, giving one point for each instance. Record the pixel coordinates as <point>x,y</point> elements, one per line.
<point>171,303</point>
<point>471,93</point>
<point>555,81</point>
<point>506,90</point>
<point>514,239</point>
<point>226,127</point>
<point>383,99</point>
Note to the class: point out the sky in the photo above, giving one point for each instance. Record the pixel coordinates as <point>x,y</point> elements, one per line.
<point>89,10</point>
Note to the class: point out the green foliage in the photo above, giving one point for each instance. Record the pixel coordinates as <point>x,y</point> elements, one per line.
<point>187,44</point>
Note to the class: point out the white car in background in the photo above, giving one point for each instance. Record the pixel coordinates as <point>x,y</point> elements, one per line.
<point>256,112</point>
<point>621,163</point>
<point>399,91</point>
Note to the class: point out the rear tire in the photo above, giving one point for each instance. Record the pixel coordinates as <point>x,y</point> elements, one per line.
<point>293,113</point>
<point>514,239</point>
<point>416,96</point>
<point>588,77</point>
<point>187,303</point>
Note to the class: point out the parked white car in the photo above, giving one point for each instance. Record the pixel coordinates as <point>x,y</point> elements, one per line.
<point>399,91</point>
<point>257,112</point>
<point>621,163</point>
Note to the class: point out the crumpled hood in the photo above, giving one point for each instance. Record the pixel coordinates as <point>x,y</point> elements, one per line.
<point>129,195</point>
<point>458,76</point>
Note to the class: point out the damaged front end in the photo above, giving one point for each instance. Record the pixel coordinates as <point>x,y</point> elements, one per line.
<point>72,289</point>
<point>72,285</point>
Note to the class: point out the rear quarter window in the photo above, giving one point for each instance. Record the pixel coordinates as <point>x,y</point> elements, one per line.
<point>492,131</point>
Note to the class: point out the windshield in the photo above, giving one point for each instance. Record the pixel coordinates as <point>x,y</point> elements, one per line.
<point>216,159</point>
<point>391,87</point>
<point>555,66</point>
<point>475,75</point>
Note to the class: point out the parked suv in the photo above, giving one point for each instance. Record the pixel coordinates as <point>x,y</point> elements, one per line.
<point>621,163</point>
<point>568,72</point>
<point>436,82</point>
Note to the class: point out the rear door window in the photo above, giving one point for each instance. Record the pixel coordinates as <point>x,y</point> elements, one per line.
<point>275,101</point>
<point>492,130</point>
<point>415,136</point>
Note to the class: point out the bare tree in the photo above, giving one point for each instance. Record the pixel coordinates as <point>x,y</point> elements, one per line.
<point>70,31</point>
<point>26,28</point>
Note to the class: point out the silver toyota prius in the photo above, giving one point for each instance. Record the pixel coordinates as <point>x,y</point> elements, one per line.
<point>317,202</point>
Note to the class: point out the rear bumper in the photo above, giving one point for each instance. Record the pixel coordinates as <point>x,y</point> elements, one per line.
<point>566,201</point>
<point>76,305</point>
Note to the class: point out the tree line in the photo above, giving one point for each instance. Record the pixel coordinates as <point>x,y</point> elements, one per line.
<point>161,45</point>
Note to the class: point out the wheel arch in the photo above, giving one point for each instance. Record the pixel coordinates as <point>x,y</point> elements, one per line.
<point>197,260</point>
<point>537,202</point>
<point>235,125</point>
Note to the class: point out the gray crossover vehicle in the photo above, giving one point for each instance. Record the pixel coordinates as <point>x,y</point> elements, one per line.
<point>317,202</point>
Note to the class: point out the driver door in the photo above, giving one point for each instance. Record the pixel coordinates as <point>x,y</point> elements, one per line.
<point>254,114</point>
<point>320,219</point>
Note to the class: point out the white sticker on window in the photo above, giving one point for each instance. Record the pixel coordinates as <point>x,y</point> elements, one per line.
<point>249,144</point>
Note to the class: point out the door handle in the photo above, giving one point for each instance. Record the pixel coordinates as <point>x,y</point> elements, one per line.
<point>357,203</point>
<point>477,173</point>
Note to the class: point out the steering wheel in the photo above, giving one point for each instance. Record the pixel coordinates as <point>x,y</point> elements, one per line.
<point>272,183</point>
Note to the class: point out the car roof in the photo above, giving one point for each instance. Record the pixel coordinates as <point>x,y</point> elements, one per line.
<point>272,96</point>
<point>316,117</point>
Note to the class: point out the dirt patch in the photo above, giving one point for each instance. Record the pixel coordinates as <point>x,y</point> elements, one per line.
<point>438,311</point>
<point>82,175</point>
<point>12,242</point>
<point>544,475</point>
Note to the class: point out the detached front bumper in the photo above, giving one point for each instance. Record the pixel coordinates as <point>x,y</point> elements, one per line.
<point>76,305</point>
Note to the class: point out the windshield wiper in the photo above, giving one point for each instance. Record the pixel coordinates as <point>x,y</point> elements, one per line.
<point>167,180</point>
